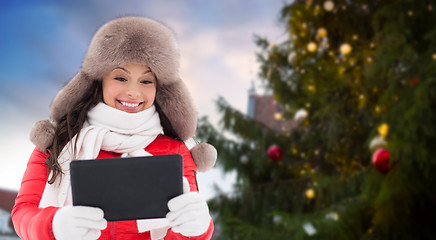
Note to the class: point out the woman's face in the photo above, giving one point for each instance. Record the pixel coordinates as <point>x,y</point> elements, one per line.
<point>130,88</point>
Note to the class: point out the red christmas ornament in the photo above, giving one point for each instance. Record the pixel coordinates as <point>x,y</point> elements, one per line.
<point>381,159</point>
<point>275,153</point>
<point>414,81</point>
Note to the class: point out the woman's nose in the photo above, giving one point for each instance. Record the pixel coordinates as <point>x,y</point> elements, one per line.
<point>133,92</point>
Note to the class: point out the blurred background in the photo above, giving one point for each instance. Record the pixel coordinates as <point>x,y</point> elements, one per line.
<point>322,111</point>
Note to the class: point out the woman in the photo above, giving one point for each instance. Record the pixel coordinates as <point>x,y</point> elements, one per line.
<point>127,93</point>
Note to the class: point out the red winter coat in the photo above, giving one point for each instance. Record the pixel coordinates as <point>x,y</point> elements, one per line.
<point>31,222</point>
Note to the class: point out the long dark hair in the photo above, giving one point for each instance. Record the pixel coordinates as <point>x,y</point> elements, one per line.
<point>72,122</point>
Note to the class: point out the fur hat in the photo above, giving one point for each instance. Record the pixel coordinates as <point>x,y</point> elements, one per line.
<point>132,40</point>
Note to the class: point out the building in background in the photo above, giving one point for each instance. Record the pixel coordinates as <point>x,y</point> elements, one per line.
<point>265,109</point>
<point>7,200</point>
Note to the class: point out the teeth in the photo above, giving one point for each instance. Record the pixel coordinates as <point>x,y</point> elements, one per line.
<point>130,104</point>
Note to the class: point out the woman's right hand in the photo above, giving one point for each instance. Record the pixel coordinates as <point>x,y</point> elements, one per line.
<point>78,222</point>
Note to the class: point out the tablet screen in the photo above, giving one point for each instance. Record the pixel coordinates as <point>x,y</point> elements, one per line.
<point>128,188</point>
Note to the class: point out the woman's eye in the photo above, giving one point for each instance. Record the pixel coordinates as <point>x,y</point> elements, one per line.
<point>147,82</point>
<point>120,79</point>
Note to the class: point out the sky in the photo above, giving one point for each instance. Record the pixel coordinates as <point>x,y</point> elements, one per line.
<point>43,42</point>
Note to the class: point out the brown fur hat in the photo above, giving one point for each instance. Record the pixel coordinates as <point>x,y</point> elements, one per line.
<point>123,41</point>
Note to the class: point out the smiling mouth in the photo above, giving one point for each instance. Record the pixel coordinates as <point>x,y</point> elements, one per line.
<point>130,105</point>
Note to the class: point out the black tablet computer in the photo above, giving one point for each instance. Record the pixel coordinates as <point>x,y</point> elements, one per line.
<point>128,188</point>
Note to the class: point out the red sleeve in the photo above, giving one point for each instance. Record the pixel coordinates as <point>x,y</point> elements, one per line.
<point>190,171</point>
<point>31,222</point>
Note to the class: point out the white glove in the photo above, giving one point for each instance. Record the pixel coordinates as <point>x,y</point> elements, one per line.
<point>189,213</point>
<point>78,222</point>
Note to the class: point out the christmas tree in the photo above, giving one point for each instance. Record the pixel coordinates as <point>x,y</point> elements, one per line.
<point>359,80</point>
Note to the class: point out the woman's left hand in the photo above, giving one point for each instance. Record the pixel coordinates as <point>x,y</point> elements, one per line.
<point>189,213</point>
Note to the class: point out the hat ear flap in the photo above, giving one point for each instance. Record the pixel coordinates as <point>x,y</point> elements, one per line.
<point>177,105</point>
<point>68,96</point>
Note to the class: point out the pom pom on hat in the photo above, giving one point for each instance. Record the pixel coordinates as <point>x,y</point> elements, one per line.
<point>42,134</point>
<point>204,156</point>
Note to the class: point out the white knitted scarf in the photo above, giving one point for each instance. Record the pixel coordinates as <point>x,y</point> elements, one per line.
<point>111,130</point>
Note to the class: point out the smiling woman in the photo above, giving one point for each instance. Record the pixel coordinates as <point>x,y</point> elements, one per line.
<point>127,100</point>
<point>215,38</point>
<point>131,88</point>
